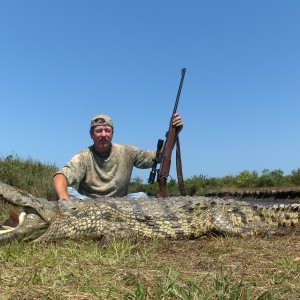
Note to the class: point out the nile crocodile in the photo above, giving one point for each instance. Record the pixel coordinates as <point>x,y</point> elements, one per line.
<point>36,219</point>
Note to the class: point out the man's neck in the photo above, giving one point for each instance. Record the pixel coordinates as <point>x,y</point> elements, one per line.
<point>103,151</point>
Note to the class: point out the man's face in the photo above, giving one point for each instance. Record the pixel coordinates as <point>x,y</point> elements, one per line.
<point>102,135</point>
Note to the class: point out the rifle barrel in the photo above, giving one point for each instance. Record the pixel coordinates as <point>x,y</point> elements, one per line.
<point>179,92</point>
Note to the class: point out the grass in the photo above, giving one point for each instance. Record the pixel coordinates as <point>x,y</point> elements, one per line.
<point>209,268</point>
<point>28,174</point>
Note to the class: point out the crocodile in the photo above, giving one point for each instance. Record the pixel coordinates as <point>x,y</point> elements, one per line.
<point>39,220</point>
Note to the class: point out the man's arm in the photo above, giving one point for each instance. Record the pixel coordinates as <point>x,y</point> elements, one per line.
<point>60,185</point>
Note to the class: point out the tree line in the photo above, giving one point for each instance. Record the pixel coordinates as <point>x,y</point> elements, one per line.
<point>36,178</point>
<point>201,184</point>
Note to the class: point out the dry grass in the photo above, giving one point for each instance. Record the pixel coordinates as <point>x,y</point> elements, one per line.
<point>208,268</point>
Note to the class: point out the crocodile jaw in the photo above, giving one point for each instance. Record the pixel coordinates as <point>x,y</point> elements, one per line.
<point>22,224</point>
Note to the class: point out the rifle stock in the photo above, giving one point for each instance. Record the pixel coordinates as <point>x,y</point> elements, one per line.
<point>166,163</point>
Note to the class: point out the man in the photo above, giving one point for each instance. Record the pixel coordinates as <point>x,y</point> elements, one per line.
<point>105,168</point>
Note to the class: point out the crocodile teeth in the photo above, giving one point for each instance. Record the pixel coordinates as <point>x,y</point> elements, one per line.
<point>15,223</point>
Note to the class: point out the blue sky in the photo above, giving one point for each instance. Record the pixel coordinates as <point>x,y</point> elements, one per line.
<point>62,62</point>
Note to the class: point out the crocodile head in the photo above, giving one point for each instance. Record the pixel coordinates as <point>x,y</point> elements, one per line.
<point>28,217</point>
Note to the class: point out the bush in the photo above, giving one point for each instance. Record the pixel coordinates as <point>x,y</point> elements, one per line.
<point>29,175</point>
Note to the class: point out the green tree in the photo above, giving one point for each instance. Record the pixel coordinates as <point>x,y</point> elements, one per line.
<point>295,176</point>
<point>247,179</point>
<point>270,178</point>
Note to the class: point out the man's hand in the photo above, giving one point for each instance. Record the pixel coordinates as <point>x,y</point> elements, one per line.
<point>177,122</point>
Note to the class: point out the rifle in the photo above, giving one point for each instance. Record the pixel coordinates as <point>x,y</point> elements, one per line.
<point>171,139</point>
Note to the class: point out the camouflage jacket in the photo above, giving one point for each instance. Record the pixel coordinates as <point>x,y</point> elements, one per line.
<point>105,176</point>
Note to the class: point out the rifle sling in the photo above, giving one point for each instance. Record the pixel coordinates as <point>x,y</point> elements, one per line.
<point>179,168</point>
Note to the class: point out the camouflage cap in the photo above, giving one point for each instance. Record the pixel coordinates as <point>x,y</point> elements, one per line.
<point>101,120</point>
